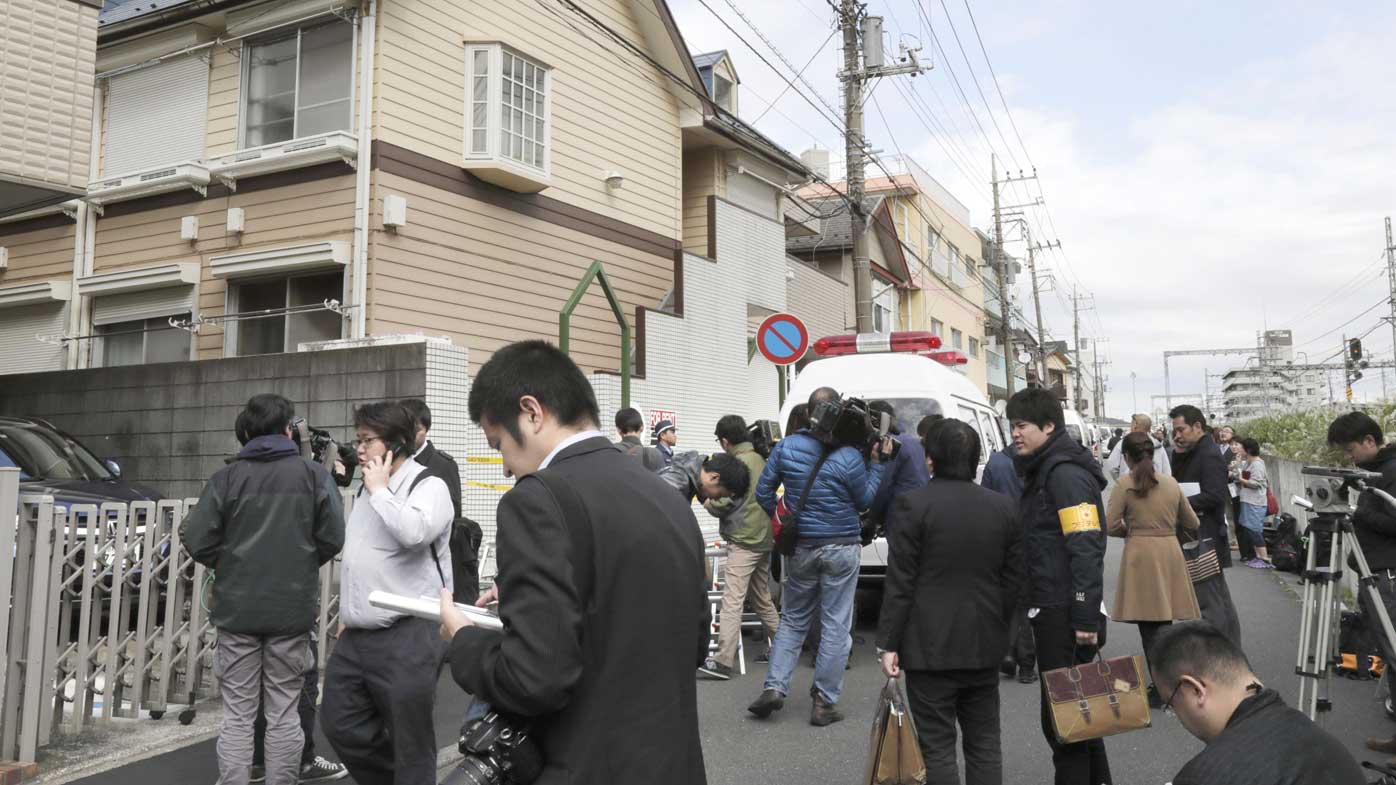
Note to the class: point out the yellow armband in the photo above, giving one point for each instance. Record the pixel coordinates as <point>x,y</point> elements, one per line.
<point>1082,518</point>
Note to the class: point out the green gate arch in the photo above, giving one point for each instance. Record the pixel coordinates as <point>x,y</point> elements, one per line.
<point>597,271</point>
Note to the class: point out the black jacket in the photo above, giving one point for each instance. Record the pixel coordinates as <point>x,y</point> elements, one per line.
<point>1268,743</point>
<point>1374,520</point>
<point>953,576</point>
<point>1064,539</point>
<point>1204,465</point>
<point>599,648</point>
<point>265,523</point>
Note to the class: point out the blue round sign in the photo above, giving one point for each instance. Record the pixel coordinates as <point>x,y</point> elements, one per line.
<point>782,339</point>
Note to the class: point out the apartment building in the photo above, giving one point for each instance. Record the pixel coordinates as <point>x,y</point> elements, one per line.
<point>1258,389</point>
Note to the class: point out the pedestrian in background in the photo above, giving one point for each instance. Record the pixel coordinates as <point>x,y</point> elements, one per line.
<point>746,573</point>
<point>1201,472</point>
<point>665,437</point>
<point>1225,438</point>
<point>380,683</point>
<point>466,535</point>
<point>265,524</point>
<point>954,574</point>
<point>1253,483</point>
<point>1147,509</point>
<point>1139,423</point>
<point>906,472</point>
<point>1065,550</point>
<point>629,425</point>
<point>822,573</point>
<point>1001,475</point>
<point>1115,439</point>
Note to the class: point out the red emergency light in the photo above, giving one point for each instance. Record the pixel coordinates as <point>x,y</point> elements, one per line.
<point>947,358</point>
<point>870,343</point>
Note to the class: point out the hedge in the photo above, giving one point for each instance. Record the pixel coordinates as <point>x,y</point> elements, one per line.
<point>1303,436</point>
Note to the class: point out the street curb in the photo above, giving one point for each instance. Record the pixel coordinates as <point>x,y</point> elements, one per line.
<point>105,764</point>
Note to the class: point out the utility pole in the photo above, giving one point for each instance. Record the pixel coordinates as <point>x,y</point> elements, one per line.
<point>863,62</point>
<point>1000,265</point>
<point>1076,299</point>
<point>1391,278</point>
<point>1037,300</point>
<point>1133,393</point>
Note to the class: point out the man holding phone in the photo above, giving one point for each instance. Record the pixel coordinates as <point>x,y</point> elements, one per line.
<point>380,683</point>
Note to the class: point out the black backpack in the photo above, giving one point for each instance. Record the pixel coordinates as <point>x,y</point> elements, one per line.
<point>1286,548</point>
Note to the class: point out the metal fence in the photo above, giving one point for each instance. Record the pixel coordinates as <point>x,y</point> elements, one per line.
<point>108,615</point>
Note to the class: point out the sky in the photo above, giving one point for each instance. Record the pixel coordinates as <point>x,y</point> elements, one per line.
<point>1210,169</point>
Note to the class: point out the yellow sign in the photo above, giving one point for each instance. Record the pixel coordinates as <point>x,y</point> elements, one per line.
<point>487,486</point>
<point>495,460</point>
<point>1081,518</point>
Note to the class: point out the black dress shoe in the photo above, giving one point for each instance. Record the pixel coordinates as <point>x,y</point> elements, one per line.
<point>1008,667</point>
<point>1027,674</point>
<point>767,702</point>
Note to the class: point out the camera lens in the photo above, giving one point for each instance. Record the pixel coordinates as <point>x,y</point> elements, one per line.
<point>474,770</point>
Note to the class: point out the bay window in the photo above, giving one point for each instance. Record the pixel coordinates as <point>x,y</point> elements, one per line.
<point>507,117</point>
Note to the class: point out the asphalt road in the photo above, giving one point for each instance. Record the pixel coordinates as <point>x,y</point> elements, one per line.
<point>786,750</point>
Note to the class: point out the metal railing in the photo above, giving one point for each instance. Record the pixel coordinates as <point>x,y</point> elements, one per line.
<point>107,615</point>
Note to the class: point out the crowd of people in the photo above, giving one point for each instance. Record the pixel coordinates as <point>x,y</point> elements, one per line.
<point>996,565</point>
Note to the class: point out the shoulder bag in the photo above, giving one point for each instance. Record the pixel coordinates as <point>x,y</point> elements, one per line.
<point>785,524</point>
<point>1201,559</point>
<point>1097,699</point>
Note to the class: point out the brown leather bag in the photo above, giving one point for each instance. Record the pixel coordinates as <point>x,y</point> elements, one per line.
<point>1098,699</point>
<point>895,754</point>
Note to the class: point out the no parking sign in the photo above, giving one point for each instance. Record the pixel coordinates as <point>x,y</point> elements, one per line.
<point>782,339</point>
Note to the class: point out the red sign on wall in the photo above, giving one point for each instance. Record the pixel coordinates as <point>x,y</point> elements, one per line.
<point>663,414</point>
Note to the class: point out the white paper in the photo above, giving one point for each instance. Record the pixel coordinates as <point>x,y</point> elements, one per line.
<point>430,609</point>
<point>1191,489</point>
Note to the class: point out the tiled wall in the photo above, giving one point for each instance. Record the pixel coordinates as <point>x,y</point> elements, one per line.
<point>750,246</point>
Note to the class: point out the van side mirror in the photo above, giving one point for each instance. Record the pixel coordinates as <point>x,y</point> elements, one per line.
<point>113,467</point>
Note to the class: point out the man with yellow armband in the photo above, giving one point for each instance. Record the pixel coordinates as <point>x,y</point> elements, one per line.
<point>1064,544</point>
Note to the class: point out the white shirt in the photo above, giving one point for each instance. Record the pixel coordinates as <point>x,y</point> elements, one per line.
<point>568,442</point>
<point>1115,464</point>
<point>387,545</point>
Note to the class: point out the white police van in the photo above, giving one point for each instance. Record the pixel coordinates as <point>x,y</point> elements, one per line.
<point>899,368</point>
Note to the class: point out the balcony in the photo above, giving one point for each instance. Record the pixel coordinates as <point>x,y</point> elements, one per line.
<point>283,156</point>
<point>149,183</point>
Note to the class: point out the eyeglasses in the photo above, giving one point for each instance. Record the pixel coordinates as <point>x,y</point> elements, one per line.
<point>357,443</point>
<point>1168,704</point>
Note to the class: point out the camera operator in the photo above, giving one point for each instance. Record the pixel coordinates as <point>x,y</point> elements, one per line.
<point>1064,545</point>
<point>1252,737</point>
<point>821,575</point>
<point>600,588</point>
<point>1361,440</point>
<point>465,533</point>
<point>1200,469</point>
<point>380,683</point>
<point>265,523</point>
<point>907,471</point>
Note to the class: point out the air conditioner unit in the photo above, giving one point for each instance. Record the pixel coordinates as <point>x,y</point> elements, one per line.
<point>148,183</point>
<point>282,156</point>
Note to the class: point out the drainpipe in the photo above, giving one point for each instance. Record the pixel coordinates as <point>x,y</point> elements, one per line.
<point>84,243</point>
<point>363,164</point>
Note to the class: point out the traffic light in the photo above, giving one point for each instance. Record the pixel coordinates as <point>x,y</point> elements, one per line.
<point>1355,350</point>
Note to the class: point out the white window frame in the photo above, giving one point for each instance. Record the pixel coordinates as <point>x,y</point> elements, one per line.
<point>937,327</point>
<point>244,77</point>
<point>99,359</point>
<point>974,347</point>
<point>231,305</point>
<point>731,104</point>
<point>957,338</point>
<point>494,110</point>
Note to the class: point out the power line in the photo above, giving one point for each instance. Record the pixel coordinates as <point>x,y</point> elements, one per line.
<point>1316,339</point>
<point>977,87</point>
<point>997,87</point>
<point>800,75</point>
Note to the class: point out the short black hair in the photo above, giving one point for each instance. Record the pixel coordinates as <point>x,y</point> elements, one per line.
<point>732,428</point>
<point>798,419</point>
<point>732,474</point>
<point>1196,648</point>
<point>392,423</point>
<point>629,421</point>
<point>1119,431</point>
<point>1037,406</point>
<point>822,394</point>
<point>1251,446</point>
<point>1191,414</point>
<point>953,448</point>
<point>535,368</point>
<point>419,411</point>
<point>266,414</point>
<point>1353,427</point>
<point>924,427</point>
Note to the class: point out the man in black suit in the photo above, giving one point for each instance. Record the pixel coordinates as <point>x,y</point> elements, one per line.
<point>1200,469</point>
<point>600,587</point>
<point>465,533</point>
<point>953,578</point>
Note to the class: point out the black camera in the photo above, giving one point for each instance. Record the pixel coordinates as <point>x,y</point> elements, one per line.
<point>496,751</point>
<point>324,450</point>
<point>764,434</point>
<point>850,422</point>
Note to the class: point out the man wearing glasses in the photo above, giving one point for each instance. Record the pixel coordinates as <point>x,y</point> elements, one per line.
<point>1252,737</point>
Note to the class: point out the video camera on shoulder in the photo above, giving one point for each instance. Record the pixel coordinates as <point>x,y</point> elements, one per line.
<point>764,434</point>
<point>324,450</point>
<point>850,422</point>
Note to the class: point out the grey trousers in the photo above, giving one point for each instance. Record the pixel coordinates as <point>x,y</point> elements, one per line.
<point>260,672</point>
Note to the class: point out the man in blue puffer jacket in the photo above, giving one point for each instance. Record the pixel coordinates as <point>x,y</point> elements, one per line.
<point>823,572</point>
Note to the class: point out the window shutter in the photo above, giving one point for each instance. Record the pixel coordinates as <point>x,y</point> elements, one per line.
<point>156,116</point>
<point>148,304</point>
<point>20,347</point>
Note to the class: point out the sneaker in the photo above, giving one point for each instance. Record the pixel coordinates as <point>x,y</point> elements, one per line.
<point>257,774</point>
<point>764,656</point>
<point>715,670</point>
<point>321,770</point>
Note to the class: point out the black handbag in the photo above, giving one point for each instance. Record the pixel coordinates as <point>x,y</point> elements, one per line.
<point>789,533</point>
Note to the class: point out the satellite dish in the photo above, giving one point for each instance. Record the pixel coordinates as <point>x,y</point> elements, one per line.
<point>1024,358</point>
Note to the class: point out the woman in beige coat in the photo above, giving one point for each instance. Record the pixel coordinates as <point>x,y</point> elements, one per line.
<point>1146,508</point>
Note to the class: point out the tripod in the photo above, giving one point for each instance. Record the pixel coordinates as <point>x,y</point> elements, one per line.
<point>1319,622</point>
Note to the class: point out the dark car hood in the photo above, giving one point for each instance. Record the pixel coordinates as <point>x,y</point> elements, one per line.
<point>70,492</point>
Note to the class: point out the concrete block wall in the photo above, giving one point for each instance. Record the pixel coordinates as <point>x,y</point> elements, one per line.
<point>170,425</point>
<point>751,246</point>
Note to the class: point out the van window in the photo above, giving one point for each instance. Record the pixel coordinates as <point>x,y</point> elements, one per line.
<point>910,411</point>
<point>1075,432</point>
<point>968,415</point>
<point>988,432</point>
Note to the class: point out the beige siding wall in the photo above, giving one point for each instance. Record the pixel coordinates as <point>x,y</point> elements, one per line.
<point>38,254</point>
<point>606,115</point>
<point>223,94</point>
<point>48,48</point>
<point>486,276</point>
<point>701,170</point>
<point>283,216</point>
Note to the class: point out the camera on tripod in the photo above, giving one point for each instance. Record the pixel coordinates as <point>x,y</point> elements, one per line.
<point>1326,488</point>
<point>496,751</point>
<point>850,422</point>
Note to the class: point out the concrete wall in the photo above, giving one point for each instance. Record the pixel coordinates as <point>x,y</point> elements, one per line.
<point>170,426</point>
